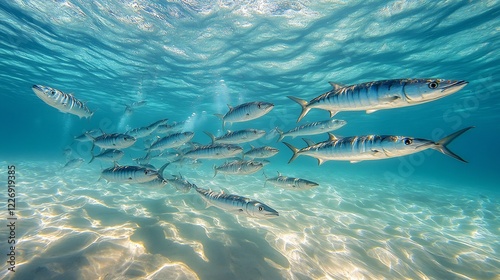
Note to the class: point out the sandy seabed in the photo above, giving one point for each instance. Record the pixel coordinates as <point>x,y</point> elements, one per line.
<point>72,226</point>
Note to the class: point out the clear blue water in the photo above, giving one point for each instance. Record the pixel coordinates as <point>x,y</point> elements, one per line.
<point>420,217</point>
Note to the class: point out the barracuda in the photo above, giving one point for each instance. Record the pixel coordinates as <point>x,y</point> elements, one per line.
<point>261,152</point>
<point>245,112</point>
<point>64,102</point>
<point>214,151</point>
<point>238,167</point>
<point>112,155</point>
<point>312,128</point>
<point>237,137</point>
<point>379,95</point>
<point>112,141</point>
<point>373,147</point>
<point>181,183</point>
<point>238,204</point>
<point>128,174</point>
<point>171,141</point>
<point>291,183</point>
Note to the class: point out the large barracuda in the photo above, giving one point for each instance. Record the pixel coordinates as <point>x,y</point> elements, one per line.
<point>312,128</point>
<point>64,102</point>
<point>238,204</point>
<point>378,95</point>
<point>112,155</point>
<point>214,151</point>
<point>245,112</point>
<point>373,147</point>
<point>142,132</point>
<point>129,174</point>
<point>112,141</point>
<point>238,167</point>
<point>237,137</point>
<point>261,152</point>
<point>291,183</point>
<point>171,141</point>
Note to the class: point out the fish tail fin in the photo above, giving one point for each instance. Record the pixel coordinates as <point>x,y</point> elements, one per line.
<point>303,103</point>
<point>442,144</point>
<point>215,170</point>
<point>93,157</point>
<point>160,171</point>
<point>280,133</point>
<point>221,117</point>
<point>294,150</point>
<point>210,135</point>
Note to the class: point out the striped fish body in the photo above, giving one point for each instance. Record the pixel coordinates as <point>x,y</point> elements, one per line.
<point>181,184</point>
<point>291,183</point>
<point>261,152</point>
<point>172,141</point>
<point>312,128</point>
<point>129,174</point>
<point>373,147</point>
<point>64,102</point>
<point>114,141</point>
<point>238,204</point>
<point>245,112</point>
<point>157,182</point>
<point>111,155</point>
<point>214,151</point>
<point>156,124</point>
<point>237,137</point>
<point>386,94</point>
<point>140,132</point>
<point>170,128</point>
<point>238,167</point>
<point>74,163</point>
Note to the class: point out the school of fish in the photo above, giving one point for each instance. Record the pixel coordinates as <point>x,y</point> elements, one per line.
<point>169,142</point>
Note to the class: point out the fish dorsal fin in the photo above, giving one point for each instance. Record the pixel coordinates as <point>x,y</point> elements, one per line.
<point>332,137</point>
<point>279,174</point>
<point>309,142</point>
<point>230,107</point>
<point>251,146</point>
<point>116,164</point>
<point>336,86</point>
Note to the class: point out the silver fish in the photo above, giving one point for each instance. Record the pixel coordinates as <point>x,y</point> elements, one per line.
<point>88,136</point>
<point>74,163</point>
<point>312,128</point>
<point>159,181</point>
<point>214,151</point>
<point>245,112</point>
<point>291,183</point>
<point>237,137</point>
<point>64,102</point>
<point>128,174</point>
<point>172,141</point>
<point>170,128</point>
<point>112,141</point>
<point>112,155</point>
<point>238,167</point>
<point>378,95</point>
<point>142,132</point>
<point>261,152</point>
<point>181,184</point>
<point>237,204</point>
<point>373,147</point>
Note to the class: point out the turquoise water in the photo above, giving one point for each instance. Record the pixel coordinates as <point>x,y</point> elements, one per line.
<point>425,216</point>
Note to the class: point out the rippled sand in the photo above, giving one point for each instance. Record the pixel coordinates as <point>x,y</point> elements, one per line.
<point>72,227</point>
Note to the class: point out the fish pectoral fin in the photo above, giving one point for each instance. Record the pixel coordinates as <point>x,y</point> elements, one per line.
<point>371,111</point>
<point>333,113</point>
<point>374,152</point>
<point>320,161</point>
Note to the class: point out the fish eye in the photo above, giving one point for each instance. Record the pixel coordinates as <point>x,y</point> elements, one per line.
<point>259,105</point>
<point>433,85</point>
<point>261,208</point>
<point>408,141</point>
